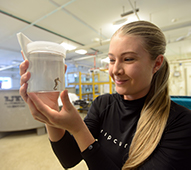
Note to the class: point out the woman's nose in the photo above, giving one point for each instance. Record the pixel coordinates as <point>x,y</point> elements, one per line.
<point>117,69</point>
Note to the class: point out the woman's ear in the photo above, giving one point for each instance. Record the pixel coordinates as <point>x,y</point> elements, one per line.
<point>158,63</point>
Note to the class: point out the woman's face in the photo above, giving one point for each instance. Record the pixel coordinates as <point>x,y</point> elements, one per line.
<point>130,66</point>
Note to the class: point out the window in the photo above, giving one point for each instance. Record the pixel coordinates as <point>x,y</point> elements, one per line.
<point>5,83</point>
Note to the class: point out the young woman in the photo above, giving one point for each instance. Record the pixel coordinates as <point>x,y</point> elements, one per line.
<point>139,127</point>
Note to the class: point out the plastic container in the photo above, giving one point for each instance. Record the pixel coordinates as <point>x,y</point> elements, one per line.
<point>47,66</point>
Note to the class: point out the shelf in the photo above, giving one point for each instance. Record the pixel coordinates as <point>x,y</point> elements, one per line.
<point>85,83</point>
<point>103,82</point>
<point>87,93</point>
<point>91,76</point>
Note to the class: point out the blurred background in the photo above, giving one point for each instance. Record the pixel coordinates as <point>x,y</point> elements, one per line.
<point>88,25</point>
<point>84,28</point>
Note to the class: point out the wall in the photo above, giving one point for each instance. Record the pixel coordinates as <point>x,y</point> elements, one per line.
<point>180,79</point>
<point>14,74</point>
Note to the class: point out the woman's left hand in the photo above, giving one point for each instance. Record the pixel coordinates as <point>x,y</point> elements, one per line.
<point>68,118</point>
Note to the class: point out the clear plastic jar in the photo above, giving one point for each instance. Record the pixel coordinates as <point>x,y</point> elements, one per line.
<point>47,66</point>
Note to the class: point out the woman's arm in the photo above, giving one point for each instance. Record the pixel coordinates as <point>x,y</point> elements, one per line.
<point>68,119</point>
<point>53,119</point>
<point>49,98</point>
<point>67,151</point>
<point>44,108</point>
<point>54,134</point>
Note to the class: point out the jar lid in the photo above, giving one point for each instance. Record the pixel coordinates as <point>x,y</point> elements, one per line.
<point>46,46</point>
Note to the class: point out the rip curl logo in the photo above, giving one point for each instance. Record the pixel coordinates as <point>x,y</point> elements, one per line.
<point>116,141</point>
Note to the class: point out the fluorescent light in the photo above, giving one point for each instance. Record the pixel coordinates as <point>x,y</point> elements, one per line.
<point>106,60</point>
<point>184,60</point>
<point>68,46</point>
<point>81,51</point>
<point>119,22</point>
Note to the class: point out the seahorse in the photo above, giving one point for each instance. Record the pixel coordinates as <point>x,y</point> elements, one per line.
<point>56,83</point>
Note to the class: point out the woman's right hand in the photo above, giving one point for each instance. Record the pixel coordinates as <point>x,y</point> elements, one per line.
<point>50,99</point>
<point>25,76</point>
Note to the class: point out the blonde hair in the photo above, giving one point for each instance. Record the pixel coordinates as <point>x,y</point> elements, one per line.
<point>155,112</point>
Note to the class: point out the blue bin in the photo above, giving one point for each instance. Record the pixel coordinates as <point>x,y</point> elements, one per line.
<point>182,100</point>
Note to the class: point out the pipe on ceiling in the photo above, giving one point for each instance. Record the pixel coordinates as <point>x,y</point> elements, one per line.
<point>27,22</point>
<point>168,28</point>
<point>10,66</point>
<point>43,17</point>
<point>78,19</point>
<point>47,15</point>
<point>134,10</point>
<point>176,26</point>
<point>87,57</point>
<point>129,12</point>
<point>104,42</point>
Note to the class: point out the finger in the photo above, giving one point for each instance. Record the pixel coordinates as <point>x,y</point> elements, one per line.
<point>23,67</point>
<point>23,92</point>
<point>45,122</point>
<point>65,68</point>
<point>22,54</point>
<point>65,100</point>
<point>40,120</point>
<point>25,77</point>
<point>41,107</point>
<point>36,114</point>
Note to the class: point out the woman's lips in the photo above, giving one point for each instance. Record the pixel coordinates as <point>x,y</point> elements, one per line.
<point>120,82</point>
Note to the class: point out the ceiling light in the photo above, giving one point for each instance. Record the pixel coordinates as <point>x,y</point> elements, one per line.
<point>184,60</point>
<point>81,51</point>
<point>174,20</point>
<point>96,39</point>
<point>68,46</point>
<point>119,22</point>
<point>106,60</point>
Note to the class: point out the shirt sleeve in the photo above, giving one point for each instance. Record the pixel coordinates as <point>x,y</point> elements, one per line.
<point>96,159</point>
<point>69,155</point>
<point>67,151</point>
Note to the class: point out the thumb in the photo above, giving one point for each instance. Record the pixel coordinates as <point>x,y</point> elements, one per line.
<point>65,100</point>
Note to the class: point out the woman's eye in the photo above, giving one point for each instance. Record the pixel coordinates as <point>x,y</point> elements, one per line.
<point>129,59</point>
<point>111,60</point>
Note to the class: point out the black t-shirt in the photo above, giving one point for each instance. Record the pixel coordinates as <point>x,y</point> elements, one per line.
<point>113,121</point>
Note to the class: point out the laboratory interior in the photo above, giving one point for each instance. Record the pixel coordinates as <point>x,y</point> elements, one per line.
<point>84,28</point>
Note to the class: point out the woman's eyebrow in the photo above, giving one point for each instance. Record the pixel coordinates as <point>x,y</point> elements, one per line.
<point>125,53</point>
<point>110,54</point>
<point>129,52</point>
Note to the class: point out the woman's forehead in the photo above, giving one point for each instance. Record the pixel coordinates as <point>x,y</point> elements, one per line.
<point>126,42</point>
